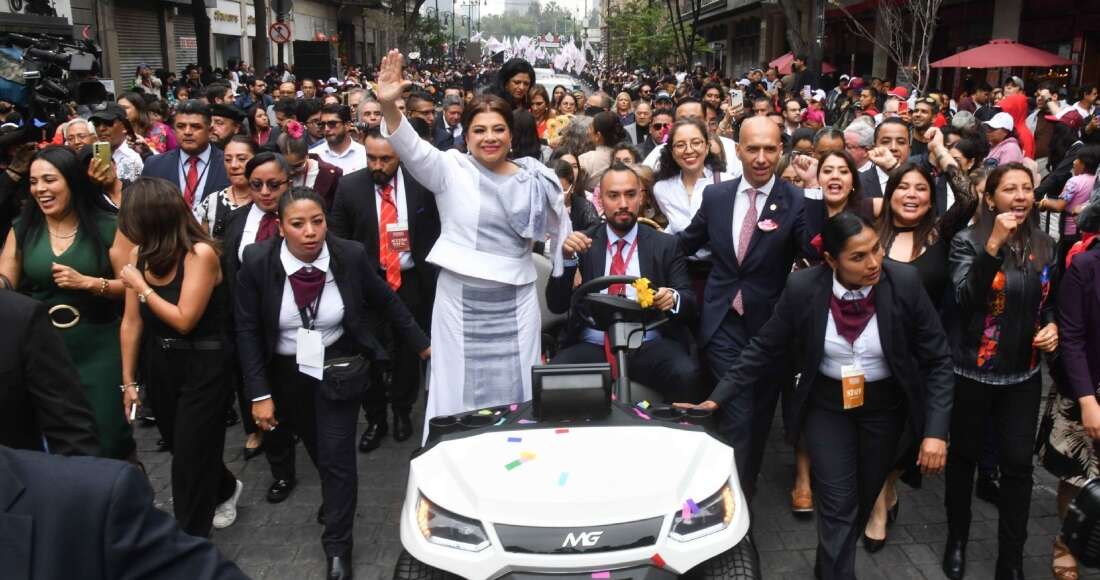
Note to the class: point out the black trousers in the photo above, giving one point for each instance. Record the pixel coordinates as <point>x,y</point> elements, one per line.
<point>850,454</point>
<point>662,364</point>
<point>1015,413</point>
<point>397,382</point>
<point>745,420</point>
<point>190,391</point>
<point>327,430</point>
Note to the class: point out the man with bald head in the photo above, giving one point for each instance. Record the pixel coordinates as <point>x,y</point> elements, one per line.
<point>755,227</point>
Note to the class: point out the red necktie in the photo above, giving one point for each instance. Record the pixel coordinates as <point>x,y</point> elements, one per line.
<point>268,229</point>
<point>387,257</point>
<point>618,268</point>
<point>192,181</point>
<point>744,238</point>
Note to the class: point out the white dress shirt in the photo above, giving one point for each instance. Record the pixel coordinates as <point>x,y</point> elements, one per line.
<point>352,159</point>
<point>729,149</point>
<point>741,206</point>
<point>402,212</point>
<point>128,163</point>
<point>330,312</point>
<point>679,205</point>
<point>251,228</point>
<point>203,169</point>
<point>883,177</point>
<point>866,353</point>
<point>866,165</point>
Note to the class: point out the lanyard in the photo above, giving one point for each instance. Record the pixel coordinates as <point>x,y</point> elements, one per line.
<point>309,312</point>
<point>183,167</point>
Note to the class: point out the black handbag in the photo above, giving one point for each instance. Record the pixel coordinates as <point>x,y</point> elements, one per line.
<point>345,378</point>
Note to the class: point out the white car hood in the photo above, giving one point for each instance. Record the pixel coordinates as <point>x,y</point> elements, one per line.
<point>585,476</point>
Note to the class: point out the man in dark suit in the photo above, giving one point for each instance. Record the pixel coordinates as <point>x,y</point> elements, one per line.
<point>755,226</point>
<point>396,219</point>
<point>447,129</point>
<point>197,167</point>
<point>40,390</point>
<point>90,518</point>
<point>623,247</point>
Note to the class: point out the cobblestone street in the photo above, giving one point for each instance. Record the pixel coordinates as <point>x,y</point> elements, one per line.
<point>283,541</point>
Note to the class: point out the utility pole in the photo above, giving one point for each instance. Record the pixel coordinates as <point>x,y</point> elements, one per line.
<point>452,30</point>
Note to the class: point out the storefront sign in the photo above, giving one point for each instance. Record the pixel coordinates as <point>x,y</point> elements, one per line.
<point>188,43</point>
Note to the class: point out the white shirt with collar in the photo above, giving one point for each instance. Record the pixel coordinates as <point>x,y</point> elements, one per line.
<point>128,162</point>
<point>455,131</point>
<point>866,165</point>
<point>679,205</point>
<point>866,353</point>
<point>633,268</point>
<point>204,170</point>
<point>398,182</point>
<point>883,177</point>
<point>741,206</point>
<point>729,149</point>
<point>251,228</point>
<point>352,159</point>
<point>330,311</point>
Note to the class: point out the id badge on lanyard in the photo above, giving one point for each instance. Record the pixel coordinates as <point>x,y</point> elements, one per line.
<point>852,381</point>
<point>310,354</point>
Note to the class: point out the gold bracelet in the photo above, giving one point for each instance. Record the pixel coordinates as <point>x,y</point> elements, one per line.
<point>102,287</point>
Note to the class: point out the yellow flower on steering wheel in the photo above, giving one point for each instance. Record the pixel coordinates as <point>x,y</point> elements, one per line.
<point>645,293</point>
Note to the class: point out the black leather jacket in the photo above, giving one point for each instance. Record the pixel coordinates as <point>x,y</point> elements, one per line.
<point>994,337</point>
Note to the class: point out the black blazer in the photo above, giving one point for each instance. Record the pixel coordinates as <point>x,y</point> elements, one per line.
<point>769,259</point>
<point>660,259</point>
<point>259,296</point>
<point>354,217</point>
<point>913,341</point>
<point>94,519</point>
<point>444,139</point>
<point>868,183</point>
<point>231,247</point>
<point>40,390</point>
<point>167,166</point>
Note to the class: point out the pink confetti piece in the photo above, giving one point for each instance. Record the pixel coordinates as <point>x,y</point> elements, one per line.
<point>525,421</point>
<point>561,431</point>
<point>641,414</point>
<point>513,407</point>
<point>600,575</point>
<point>685,512</point>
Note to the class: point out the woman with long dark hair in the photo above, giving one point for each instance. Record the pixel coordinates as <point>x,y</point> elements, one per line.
<point>540,109</point>
<point>176,317</point>
<point>513,82</point>
<point>1003,269</point>
<point>582,214</point>
<point>308,169</point>
<point>687,166</point>
<point>264,134</point>
<point>60,251</point>
<point>154,133</point>
<point>873,356</point>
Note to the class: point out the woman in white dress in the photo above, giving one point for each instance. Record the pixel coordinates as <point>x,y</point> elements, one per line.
<point>485,320</point>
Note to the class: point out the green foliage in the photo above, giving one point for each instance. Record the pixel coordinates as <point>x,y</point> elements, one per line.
<point>642,34</point>
<point>539,19</point>
<point>430,35</point>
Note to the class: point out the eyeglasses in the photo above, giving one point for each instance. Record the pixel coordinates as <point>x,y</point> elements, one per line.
<point>330,124</point>
<point>258,186</point>
<point>695,144</point>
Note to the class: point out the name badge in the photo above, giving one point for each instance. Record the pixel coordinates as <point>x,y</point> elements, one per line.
<point>311,353</point>
<point>398,234</point>
<point>851,386</point>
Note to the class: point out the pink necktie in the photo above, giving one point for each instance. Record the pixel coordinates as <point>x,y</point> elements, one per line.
<point>743,240</point>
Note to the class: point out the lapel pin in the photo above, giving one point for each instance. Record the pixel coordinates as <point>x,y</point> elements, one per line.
<point>772,207</point>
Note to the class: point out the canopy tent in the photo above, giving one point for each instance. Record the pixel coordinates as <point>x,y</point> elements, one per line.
<point>1001,52</point>
<point>783,63</point>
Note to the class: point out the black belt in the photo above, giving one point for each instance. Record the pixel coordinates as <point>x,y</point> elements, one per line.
<point>187,344</point>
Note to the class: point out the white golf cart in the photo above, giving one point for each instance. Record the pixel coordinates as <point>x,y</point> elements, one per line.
<point>577,484</point>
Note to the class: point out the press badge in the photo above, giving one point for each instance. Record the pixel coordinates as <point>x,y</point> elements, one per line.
<point>398,233</point>
<point>311,353</point>
<point>851,386</point>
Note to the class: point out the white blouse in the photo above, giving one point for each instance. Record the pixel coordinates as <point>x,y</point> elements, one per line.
<point>330,312</point>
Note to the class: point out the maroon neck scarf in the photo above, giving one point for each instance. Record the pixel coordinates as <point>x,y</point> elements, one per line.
<point>307,284</point>
<point>269,227</point>
<point>852,316</point>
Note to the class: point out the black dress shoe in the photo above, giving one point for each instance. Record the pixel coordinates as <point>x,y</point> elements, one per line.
<point>402,426</point>
<point>1005,572</point>
<point>280,490</point>
<point>339,568</point>
<point>872,545</point>
<point>231,417</point>
<point>372,436</point>
<point>954,558</point>
<point>988,488</point>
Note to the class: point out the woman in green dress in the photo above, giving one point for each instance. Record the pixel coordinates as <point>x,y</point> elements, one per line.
<point>60,252</point>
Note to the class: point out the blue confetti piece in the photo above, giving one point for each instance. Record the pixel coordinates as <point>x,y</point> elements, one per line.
<point>515,439</point>
<point>563,478</point>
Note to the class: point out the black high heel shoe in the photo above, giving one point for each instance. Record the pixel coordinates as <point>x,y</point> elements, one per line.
<point>872,545</point>
<point>892,513</point>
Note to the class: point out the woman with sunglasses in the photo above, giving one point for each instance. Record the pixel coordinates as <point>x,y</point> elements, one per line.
<point>308,169</point>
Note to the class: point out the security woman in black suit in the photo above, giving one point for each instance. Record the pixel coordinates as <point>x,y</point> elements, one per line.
<point>307,297</point>
<point>870,327</point>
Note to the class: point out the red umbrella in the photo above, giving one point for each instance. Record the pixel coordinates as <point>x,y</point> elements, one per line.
<point>1001,52</point>
<point>783,63</point>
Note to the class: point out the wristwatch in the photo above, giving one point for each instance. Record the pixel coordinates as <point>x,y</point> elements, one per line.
<point>144,296</point>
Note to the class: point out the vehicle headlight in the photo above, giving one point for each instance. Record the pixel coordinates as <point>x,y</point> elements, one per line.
<point>442,527</point>
<point>715,513</point>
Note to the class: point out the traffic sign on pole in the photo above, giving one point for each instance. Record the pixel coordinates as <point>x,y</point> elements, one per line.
<point>279,32</point>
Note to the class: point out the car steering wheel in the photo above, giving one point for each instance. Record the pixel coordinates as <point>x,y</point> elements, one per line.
<point>595,285</point>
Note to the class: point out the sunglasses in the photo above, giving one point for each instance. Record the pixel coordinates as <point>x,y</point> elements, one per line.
<point>329,124</point>
<point>660,125</point>
<point>258,186</point>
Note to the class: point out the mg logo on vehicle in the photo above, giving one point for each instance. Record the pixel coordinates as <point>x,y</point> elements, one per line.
<point>586,539</point>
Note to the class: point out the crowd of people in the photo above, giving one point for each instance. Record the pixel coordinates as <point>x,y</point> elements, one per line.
<point>296,249</point>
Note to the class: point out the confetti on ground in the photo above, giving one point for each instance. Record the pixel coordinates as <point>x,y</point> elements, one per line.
<point>513,407</point>
<point>525,421</point>
<point>561,431</point>
<point>499,423</point>
<point>526,456</point>
<point>515,439</point>
<point>485,412</point>
<point>496,413</point>
<point>513,465</point>
<point>658,561</point>
<point>601,575</point>
<point>563,478</point>
<point>641,414</point>
<point>643,405</point>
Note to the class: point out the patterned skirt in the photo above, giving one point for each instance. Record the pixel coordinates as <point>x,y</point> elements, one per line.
<point>1065,450</point>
